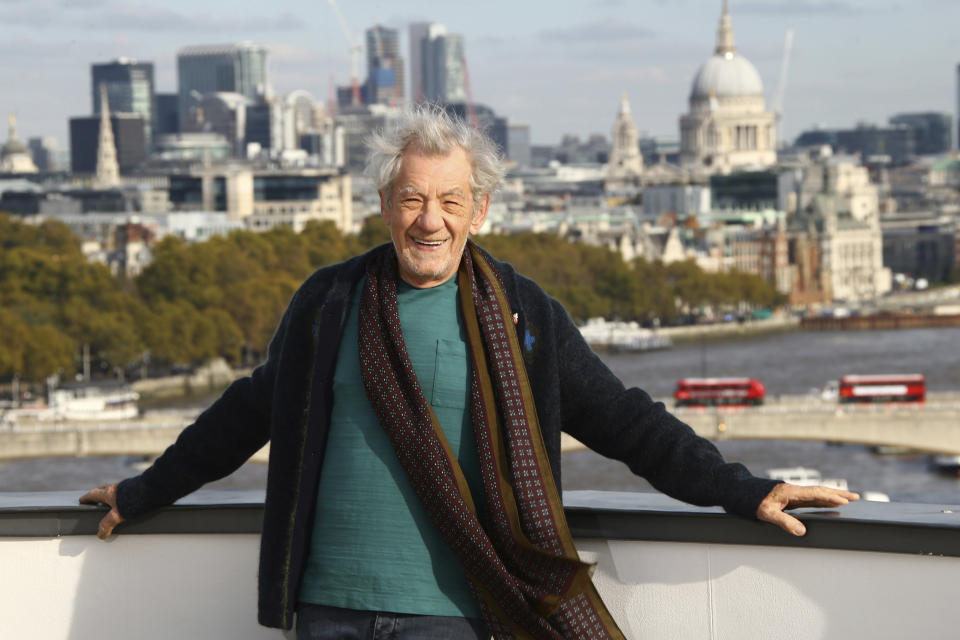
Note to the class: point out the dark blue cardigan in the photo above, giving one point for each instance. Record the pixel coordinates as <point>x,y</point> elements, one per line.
<point>287,401</point>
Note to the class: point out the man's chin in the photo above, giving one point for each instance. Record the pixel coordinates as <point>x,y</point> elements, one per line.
<point>426,270</point>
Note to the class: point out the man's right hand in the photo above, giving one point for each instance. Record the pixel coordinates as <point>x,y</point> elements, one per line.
<point>107,494</point>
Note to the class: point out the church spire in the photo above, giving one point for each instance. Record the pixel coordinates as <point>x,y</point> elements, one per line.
<point>108,171</point>
<point>725,33</point>
<point>626,162</point>
<point>12,121</point>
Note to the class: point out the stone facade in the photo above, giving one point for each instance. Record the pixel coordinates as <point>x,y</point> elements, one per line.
<point>727,125</point>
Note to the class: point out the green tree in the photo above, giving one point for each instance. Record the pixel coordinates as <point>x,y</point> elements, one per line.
<point>373,232</point>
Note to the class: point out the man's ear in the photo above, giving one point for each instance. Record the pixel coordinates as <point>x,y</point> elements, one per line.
<point>476,223</point>
<point>384,208</point>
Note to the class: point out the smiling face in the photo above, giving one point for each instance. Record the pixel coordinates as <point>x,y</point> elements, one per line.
<point>431,213</point>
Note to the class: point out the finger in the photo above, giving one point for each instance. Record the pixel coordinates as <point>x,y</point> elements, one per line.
<point>91,497</point>
<point>819,497</point>
<point>785,521</point>
<point>96,496</point>
<point>108,523</point>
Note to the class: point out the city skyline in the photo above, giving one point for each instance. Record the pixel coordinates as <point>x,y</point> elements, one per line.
<point>561,68</point>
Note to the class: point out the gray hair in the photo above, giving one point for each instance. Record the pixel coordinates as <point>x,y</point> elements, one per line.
<point>433,132</point>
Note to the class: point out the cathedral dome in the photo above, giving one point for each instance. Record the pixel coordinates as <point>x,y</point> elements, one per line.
<point>726,75</point>
<point>14,156</point>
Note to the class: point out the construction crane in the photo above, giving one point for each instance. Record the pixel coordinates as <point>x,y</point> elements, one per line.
<point>782,84</point>
<point>355,49</point>
<point>474,121</point>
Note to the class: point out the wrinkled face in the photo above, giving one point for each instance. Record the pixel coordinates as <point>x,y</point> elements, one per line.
<point>431,213</point>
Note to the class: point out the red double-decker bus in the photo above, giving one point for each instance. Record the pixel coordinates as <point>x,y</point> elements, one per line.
<point>891,387</point>
<point>703,392</point>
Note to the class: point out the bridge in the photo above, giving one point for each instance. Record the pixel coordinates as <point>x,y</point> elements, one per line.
<point>147,436</point>
<point>934,428</point>
<point>931,427</point>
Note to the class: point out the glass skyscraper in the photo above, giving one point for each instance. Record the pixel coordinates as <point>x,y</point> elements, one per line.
<point>129,90</point>
<point>237,68</point>
<point>443,75</point>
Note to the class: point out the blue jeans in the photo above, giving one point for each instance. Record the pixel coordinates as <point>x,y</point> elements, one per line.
<point>319,622</point>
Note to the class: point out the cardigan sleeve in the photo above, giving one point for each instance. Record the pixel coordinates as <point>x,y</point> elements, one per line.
<point>221,439</point>
<point>627,425</point>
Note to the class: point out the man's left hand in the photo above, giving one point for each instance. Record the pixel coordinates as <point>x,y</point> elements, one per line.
<point>790,496</point>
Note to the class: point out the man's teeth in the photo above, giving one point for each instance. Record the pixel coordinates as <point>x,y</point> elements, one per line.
<point>431,243</point>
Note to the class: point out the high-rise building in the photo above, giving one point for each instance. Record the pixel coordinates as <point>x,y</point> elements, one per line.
<point>127,129</point>
<point>44,152</point>
<point>443,74</point>
<point>420,31</point>
<point>385,75</point>
<point>130,89</point>
<point>895,144</point>
<point>485,119</point>
<point>518,144</point>
<point>956,119</point>
<point>236,68</point>
<point>168,114</point>
<point>931,131</point>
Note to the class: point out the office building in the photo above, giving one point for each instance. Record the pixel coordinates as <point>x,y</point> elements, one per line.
<point>420,31</point>
<point>518,144</point>
<point>894,144</point>
<point>130,89</point>
<point>385,77</point>
<point>921,244</point>
<point>44,152</point>
<point>237,68</point>
<point>443,72</point>
<point>931,131</point>
<point>745,190</point>
<point>168,114</point>
<point>224,113</point>
<point>485,119</point>
<point>266,198</point>
<point>127,131</point>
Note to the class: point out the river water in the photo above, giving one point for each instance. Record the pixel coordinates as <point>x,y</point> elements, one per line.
<point>787,363</point>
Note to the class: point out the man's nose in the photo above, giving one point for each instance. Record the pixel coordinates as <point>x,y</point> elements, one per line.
<point>431,218</point>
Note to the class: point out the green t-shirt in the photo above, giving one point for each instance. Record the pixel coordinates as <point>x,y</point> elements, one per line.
<point>373,545</point>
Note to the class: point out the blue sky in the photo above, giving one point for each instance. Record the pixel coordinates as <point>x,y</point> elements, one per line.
<point>559,66</point>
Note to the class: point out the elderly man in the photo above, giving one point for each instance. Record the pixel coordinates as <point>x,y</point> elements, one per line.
<point>414,398</point>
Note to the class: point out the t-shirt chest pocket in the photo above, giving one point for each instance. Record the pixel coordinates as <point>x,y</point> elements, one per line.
<point>451,375</point>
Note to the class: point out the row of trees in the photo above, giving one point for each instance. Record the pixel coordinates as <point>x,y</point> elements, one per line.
<point>224,296</point>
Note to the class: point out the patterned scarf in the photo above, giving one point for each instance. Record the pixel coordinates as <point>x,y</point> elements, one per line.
<point>520,561</point>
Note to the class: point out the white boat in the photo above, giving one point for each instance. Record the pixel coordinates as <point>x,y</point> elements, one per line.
<point>95,402</point>
<point>622,336</point>
<point>807,477</point>
<point>81,401</point>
